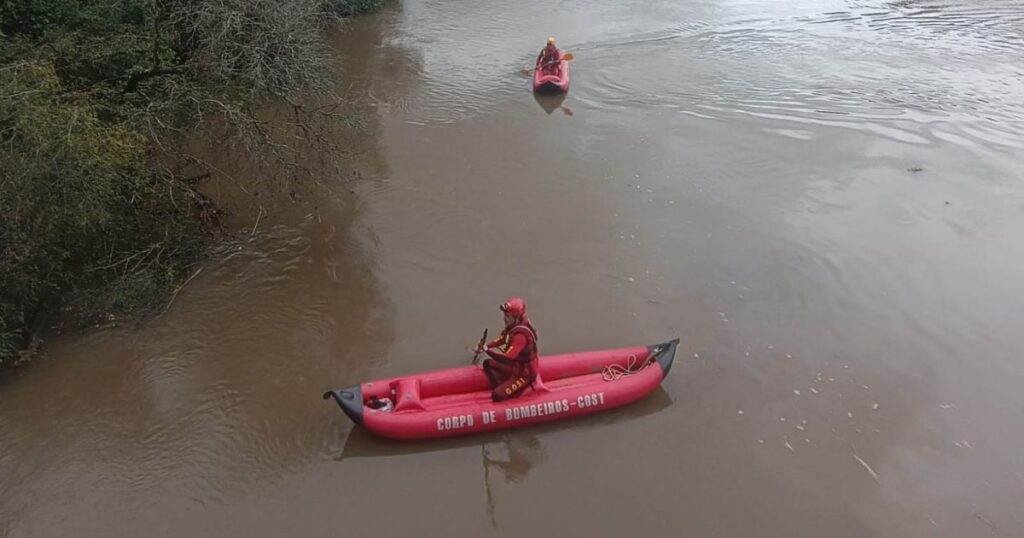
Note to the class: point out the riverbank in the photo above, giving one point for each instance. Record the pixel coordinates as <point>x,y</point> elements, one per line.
<point>106,213</point>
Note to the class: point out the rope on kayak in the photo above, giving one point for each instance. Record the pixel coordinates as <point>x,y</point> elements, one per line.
<point>614,372</point>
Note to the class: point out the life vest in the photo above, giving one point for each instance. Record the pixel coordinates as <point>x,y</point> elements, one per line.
<point>550,58</point>
<point>529,357</point>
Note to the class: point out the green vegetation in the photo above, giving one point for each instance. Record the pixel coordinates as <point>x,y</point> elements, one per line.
<point>99,209</point>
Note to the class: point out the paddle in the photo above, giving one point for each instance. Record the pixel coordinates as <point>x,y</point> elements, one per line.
<point>567,57</point>
<point>479,347</point>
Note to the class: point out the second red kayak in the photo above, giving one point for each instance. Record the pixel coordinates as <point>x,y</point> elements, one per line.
<point>552,81</point>
<point>457,401</point>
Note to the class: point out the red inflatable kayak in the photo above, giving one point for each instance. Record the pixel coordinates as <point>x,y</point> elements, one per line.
<point>553,81</point>
<point>457,401</point>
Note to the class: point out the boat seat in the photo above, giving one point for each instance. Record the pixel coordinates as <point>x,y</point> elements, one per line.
<point>407,394</point>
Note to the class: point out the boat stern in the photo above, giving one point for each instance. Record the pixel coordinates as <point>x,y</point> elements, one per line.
<point>350,400</point>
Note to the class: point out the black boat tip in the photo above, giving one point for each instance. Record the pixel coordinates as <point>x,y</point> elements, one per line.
<point>350,400</point>
<point>665,354</point>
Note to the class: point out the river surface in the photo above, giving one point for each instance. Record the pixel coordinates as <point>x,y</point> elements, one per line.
<point>823,199</point>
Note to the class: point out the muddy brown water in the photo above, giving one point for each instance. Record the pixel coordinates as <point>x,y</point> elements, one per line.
<point>824,200</point>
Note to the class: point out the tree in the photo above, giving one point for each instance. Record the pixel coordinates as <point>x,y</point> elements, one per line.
<point>94,98</point>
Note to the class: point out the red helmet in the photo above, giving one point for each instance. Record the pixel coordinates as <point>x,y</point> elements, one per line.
<point>514,307</point>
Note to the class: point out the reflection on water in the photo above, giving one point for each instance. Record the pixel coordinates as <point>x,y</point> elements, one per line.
<point>551,103</point>
<point>516,456</point>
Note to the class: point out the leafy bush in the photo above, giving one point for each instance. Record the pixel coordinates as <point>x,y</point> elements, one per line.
<point>97,216</point>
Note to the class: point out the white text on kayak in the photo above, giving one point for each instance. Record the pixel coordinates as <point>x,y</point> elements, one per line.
<point>513,414</point>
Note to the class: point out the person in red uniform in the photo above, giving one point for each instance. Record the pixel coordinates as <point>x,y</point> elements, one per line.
<point>550,58</point>
<point>513,362</point>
